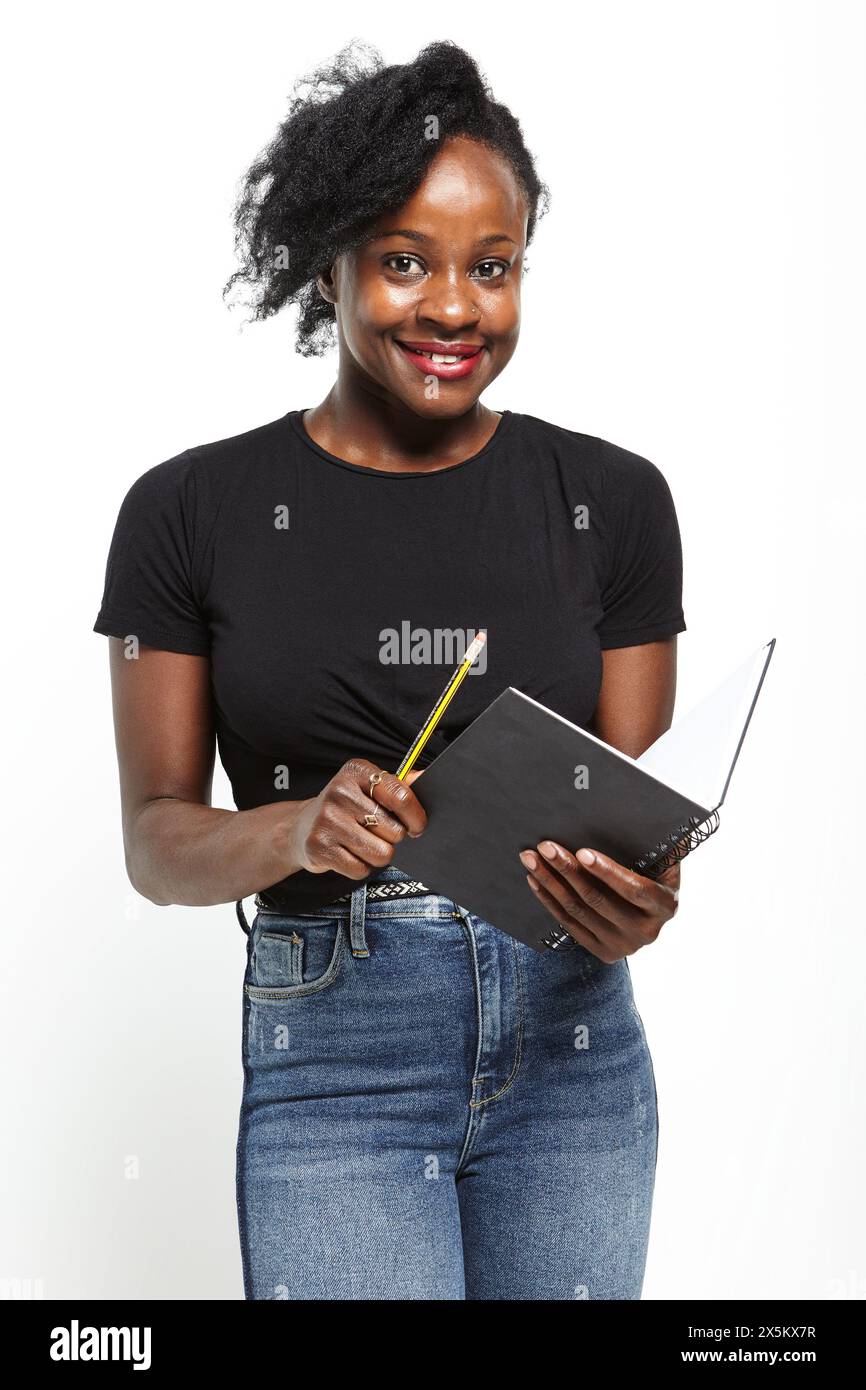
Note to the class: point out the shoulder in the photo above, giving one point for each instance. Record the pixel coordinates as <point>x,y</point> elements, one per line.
<point>236,450</point>
<point>202,471</point>
<point>620,473</point>
<point>612,459</point>
<point>162,480</point>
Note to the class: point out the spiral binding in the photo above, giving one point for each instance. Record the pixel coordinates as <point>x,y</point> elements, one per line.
<point>679,843</point>
<point>662,856</point>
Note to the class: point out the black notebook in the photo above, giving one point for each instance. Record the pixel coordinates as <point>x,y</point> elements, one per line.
<point>521,773</point>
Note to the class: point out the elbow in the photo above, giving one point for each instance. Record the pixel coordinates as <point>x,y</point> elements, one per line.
<point>140,883</point>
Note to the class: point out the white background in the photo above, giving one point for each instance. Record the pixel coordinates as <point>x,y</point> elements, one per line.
<point>696,294</point>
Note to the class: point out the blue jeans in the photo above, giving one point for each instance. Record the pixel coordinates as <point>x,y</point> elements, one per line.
<point>432,1110</point>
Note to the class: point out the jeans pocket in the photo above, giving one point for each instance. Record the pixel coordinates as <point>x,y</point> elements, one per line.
<point>293,956</point>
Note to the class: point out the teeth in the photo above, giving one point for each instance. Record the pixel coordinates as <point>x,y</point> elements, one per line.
<point>441,356</point>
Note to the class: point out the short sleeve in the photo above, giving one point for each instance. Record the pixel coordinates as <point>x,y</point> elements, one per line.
<point>150,589</point>
<point>642,599</point>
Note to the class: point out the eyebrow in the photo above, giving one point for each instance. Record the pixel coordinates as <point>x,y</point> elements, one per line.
<point>420,236</point>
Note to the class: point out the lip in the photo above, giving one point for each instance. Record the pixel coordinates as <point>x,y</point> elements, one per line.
<point>421,358</point>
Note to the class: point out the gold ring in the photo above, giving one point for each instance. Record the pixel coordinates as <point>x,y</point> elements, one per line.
<point>375,779</point>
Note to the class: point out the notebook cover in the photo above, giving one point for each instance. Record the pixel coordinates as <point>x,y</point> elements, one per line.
<point>507,782</point>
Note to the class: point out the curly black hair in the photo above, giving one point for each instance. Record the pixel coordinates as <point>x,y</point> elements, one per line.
<point>355,145</point>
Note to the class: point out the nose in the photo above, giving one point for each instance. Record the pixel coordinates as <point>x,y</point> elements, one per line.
<point>448,302</point>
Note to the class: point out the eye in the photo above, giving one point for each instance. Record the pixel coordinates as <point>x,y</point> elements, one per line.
<point>406,259</point>
<point>498,269</point>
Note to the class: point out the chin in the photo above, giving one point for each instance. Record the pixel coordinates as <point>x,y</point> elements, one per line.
<point>448,405</point>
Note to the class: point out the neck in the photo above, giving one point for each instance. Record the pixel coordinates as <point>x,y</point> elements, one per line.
<point>360,422</point>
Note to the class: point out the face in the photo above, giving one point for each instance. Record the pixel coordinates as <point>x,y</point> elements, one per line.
<point>439,277</point>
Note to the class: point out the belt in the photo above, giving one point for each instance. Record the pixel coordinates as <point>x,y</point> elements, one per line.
<point>388,888</point>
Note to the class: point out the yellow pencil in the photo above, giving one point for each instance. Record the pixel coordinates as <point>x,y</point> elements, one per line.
<point>441,704</point>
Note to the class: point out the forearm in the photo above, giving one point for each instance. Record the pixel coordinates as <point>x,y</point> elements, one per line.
<point>183,852</point>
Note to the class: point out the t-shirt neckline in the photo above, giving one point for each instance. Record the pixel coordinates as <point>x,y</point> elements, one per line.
<point>295,420</point>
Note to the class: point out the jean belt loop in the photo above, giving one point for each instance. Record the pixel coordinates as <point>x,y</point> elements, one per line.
<point>357,910</point>
<point>244,924</point>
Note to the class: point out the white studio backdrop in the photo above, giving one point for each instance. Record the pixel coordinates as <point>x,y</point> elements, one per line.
<point>695,294</point>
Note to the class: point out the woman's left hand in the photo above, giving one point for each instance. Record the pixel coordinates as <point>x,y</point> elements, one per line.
<point>607,908</point>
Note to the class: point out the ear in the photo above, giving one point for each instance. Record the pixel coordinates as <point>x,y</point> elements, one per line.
<point>326,286</point>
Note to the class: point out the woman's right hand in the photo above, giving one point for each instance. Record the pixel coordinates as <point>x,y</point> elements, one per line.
<point>330,834</point>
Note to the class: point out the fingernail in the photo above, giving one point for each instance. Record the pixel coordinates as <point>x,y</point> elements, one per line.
<point>586,856</point>
<point>527,859</point>
<point>548,849</point>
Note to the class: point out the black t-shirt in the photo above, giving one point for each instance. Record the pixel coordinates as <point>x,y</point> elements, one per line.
<point>335,600</point>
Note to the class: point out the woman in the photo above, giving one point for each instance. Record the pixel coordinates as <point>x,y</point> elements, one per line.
<point>430,1109</point>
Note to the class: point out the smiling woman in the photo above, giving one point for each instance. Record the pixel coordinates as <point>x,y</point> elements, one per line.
<point>452,270</point>
<point>416,1082</point>
<point>436,272</point>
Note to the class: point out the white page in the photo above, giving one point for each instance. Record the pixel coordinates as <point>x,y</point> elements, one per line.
<point>697,755</point>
